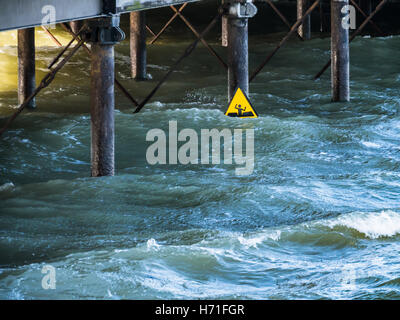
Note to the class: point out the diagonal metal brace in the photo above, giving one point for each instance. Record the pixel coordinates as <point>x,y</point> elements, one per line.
<point>168,23</point>
<point>151,31</point>
<point>47,79</point>
<point>356,33</point>
<point>379,30</point>
<point>185,54</point>
<point>285,21</point>
<point>52,36</point>
<point>283,41</point>
<point>190,26</point>
<point>89,52</point>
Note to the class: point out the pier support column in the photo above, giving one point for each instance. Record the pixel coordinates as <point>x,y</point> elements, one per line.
<point>340,61</point>
<point>238,58</point>
<point>26,65</point>
<point>76,25</point>
<point>138,44</point>
<point>224,28</point>
<point>103,33</point>
<point>224,31</point>
<point>304,29</point>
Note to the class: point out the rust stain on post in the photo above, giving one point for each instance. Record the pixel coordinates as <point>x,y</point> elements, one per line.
<point>26,65</point>
<point>138,45</point>
<point>102,110</point>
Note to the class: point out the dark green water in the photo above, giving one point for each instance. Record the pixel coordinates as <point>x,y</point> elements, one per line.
<point>318,218</point>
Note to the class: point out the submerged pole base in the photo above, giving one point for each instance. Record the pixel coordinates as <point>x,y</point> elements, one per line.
<point>238,58</point>
<point>340,60</point>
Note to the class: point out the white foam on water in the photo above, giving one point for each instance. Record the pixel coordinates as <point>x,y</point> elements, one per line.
<point>256,240</point>
<point>370,144</point>
<point>373,224</point>
<point>7,186</point>
<point>152,244</point>
<point>120,250</point>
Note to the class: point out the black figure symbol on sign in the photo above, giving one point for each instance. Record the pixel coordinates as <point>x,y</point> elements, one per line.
<point>240,110</point>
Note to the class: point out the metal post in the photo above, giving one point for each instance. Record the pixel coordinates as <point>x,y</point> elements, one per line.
<point>224,31</point>
<point>224,27</point>
<point>321,17</point>
<point>305,28</point>
<point>102,110</point>
<point>369,7</point>
<point>26,65</point>
<point>238,58</point>
<point>340,68</point>
<point>76,25</point>
<point>103,34</point>
<point>138,44</point>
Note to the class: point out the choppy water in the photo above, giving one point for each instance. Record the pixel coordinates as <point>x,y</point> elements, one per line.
<point>318,218</point>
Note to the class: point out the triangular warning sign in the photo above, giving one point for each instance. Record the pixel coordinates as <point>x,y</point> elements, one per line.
<point>240,106</point>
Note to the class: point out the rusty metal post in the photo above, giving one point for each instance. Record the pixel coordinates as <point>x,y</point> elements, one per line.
<point>224,31</point>
<point>103,33</point>
<point>304,30</point>
<point>224,28</point>
<point>340,61</point>
<point>76,25</point>
<point>102,110</point>
<point>369,7</point>
<point>26,65</point>
<point>138,44</point>
<point>238,58</point>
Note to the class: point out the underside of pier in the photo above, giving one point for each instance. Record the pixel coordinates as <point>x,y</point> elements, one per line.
<point>94,25</point>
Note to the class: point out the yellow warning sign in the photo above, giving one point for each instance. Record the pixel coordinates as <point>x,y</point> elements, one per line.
<point>240,106</point>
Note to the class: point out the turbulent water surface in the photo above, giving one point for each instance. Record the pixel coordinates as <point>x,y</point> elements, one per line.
<point>318,218</point>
